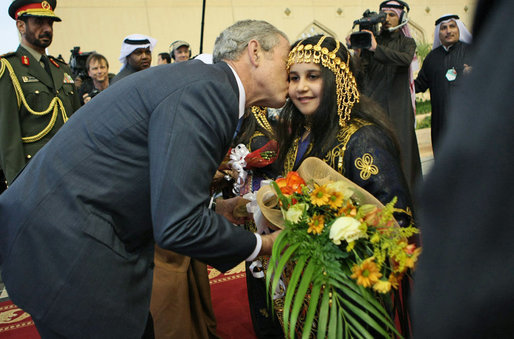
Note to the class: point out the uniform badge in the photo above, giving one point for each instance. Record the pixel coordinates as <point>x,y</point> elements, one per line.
<point>451,74</point>
<point>25,60</point>
<point>28,78</point>
<point>68,79</point>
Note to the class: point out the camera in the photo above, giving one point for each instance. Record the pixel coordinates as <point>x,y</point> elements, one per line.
<point>93,93</point>
<point>78,62</point>
<point>368,22</point>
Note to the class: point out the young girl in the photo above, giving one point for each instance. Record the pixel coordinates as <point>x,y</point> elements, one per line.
<point>327,117</point>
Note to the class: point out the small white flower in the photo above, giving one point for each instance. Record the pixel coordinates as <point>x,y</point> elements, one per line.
<point>295,212</point>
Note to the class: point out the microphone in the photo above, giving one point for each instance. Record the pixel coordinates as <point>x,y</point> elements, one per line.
<point>399,26</point>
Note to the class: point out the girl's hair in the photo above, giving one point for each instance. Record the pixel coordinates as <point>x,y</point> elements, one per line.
<point>324,123</point>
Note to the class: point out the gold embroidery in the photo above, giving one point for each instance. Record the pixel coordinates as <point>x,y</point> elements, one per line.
<point>365,164</point>
<point>260,114</point>
<point>292,153</point>
<point>334,158</point>
<point>407,211</point>
<point>255,135</point>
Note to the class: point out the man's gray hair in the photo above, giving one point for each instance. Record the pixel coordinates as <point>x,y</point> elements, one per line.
<point>232,41</point>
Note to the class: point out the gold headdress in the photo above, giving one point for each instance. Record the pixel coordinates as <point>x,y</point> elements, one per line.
<point>347,92</point>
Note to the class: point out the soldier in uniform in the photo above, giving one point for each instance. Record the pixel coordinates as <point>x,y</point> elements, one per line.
<point>37,92</point>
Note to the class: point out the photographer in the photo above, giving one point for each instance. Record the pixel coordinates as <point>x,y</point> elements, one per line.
<point>97,68</point>
<point>386,64</point>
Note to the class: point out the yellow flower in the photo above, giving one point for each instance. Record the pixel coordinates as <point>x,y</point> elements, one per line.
<point>375,238</point>
<point>366,273</point>
<point>411,260</point>
<point>320,196</point>
<point>382,286</point>
<point>316,225</point>
<point>335,199</point>
<point>395,281</point>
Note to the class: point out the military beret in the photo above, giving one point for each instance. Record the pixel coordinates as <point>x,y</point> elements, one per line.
<point>41,8</point>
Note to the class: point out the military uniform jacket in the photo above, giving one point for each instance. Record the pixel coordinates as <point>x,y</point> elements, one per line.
<point>39,89</point>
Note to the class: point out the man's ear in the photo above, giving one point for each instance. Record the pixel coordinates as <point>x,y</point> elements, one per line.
<point>254,52</point>
<point>20,24</point>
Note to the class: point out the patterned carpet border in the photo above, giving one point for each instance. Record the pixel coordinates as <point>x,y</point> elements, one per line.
<point>226,278</point>
<point>13,318</point>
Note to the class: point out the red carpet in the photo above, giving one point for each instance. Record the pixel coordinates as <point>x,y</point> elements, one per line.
<point>229,300</point>
<point>230,303</point>
<point>14,323</point>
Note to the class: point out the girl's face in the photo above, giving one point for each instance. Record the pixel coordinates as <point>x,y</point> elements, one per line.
<point>305,87</point>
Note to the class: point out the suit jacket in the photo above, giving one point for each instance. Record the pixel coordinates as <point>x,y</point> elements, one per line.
<point>125,71</point>
<point>130,167</point>
<point>39,90</point>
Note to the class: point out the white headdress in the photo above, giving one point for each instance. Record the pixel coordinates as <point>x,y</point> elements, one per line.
<point>464,34</point>
<point>133,42</point>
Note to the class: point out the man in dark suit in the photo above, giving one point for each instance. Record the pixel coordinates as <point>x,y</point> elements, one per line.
<point>133,166</point>
<point>37,92</point>
<point>464,282</point>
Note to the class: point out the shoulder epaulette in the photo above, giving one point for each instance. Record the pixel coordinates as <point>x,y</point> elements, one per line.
<point>57,60</point>
<point>7,55</point>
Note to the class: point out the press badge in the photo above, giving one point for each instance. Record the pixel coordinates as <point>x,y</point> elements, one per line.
<point>451,74</point>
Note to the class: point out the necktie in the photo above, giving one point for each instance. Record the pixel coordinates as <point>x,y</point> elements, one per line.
<point>46,62</point>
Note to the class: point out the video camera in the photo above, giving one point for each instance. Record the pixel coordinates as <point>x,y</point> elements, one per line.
<point>78,62</point>
<point>368,22</point>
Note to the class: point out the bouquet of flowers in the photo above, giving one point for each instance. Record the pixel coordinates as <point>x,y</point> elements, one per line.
<point>343,252</point>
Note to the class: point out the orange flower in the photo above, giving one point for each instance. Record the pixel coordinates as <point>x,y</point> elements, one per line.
<point>317,224</point>
<point>349,209</point>
<point>367,273</point>
<point>320,196</point>
<point>291,183</point>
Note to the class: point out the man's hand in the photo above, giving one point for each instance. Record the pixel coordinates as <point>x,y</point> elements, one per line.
<point>467,69</point>
<point>267,242</point>
<point>225,207</point>
<point>86,98</point>
<point>373,41</point>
